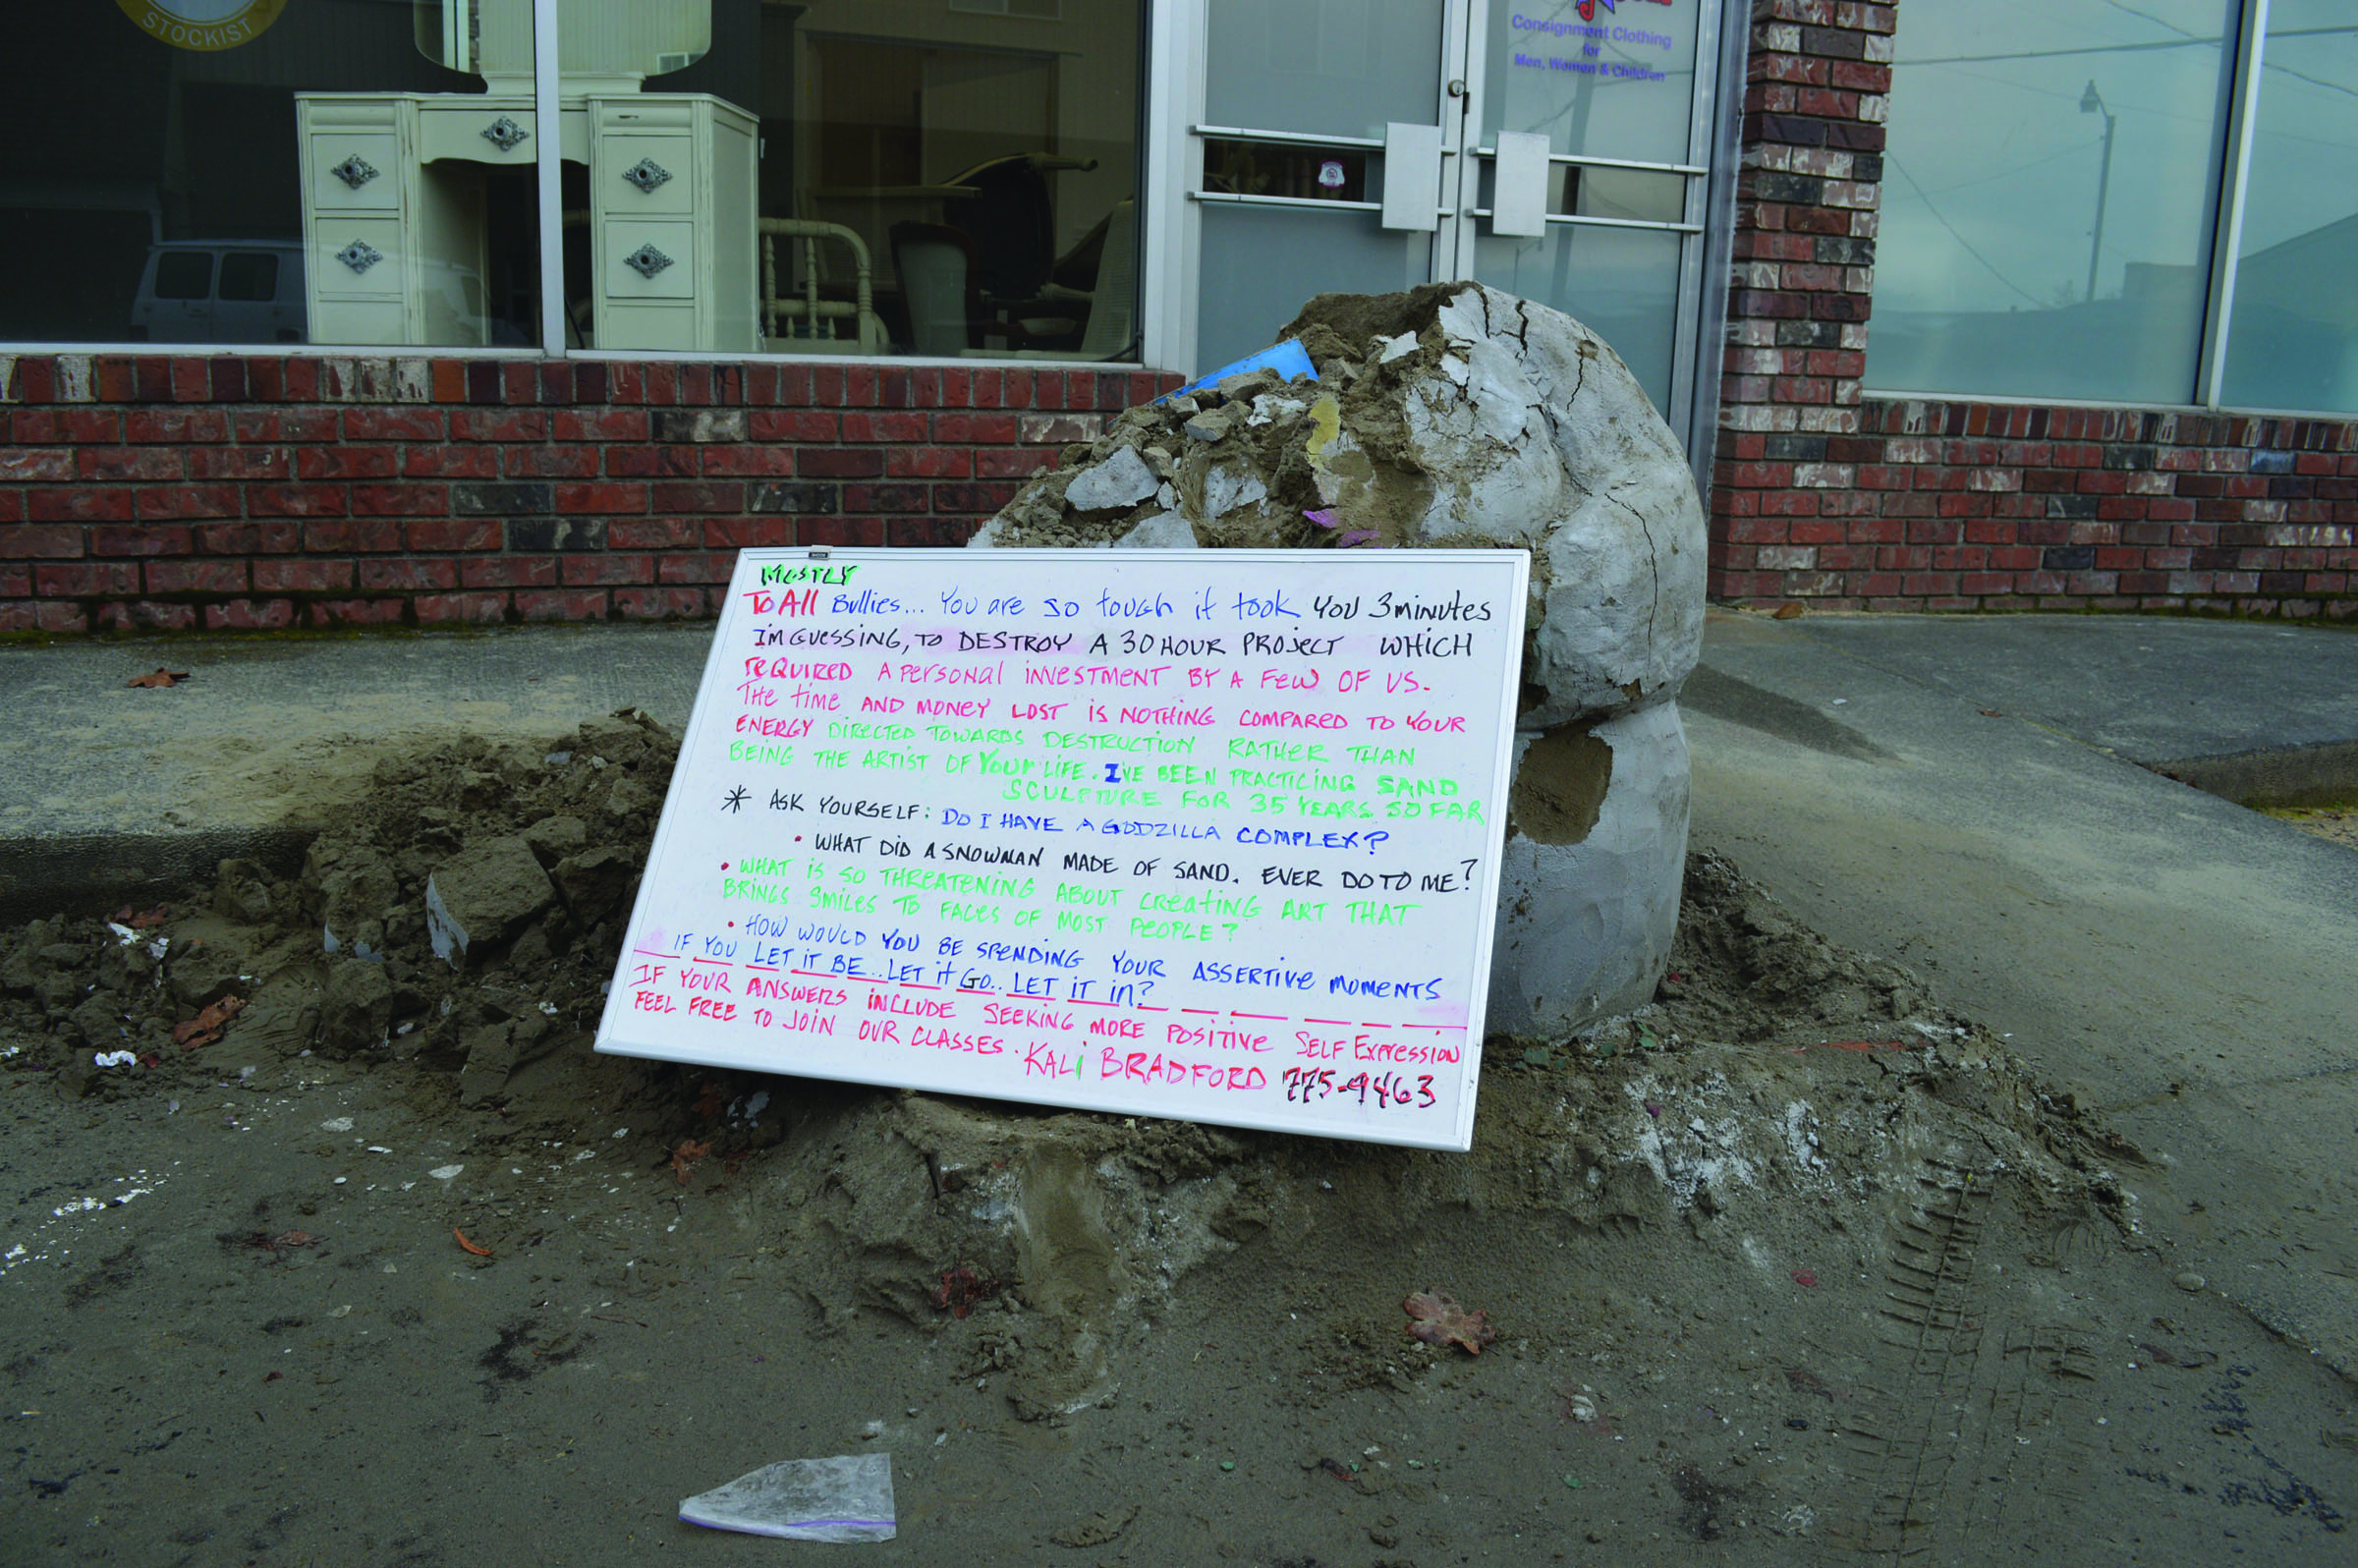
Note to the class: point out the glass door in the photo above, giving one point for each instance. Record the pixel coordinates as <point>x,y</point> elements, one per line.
<point>1585,187</point>
<point>1330,147</point>
<point>1558,150</point>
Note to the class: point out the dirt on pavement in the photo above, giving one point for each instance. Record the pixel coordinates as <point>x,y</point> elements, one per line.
<point>356,1255</point>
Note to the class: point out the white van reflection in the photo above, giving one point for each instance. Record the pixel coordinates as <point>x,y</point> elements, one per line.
<point>251,292</point>
<point>220,290</point>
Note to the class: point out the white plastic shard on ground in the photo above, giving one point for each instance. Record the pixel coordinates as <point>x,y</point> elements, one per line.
<point>1456,416</point>
<point>846,1499</point>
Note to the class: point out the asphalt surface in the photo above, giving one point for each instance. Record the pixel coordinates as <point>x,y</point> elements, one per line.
<point>1974,796</point>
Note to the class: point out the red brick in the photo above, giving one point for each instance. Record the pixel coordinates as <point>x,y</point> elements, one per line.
<point>455,533</point>
<point>650,604</point>
<point>900,427</point>
<point>18,543</point>
<point>114,540</point>
<point>342,461</point>
<point>399,500</point>
<point>600,425</point>
<point>809,425</point>
<point>367,534</point>
<point>357,612</point>
<point>81,504</point>
<point>885,498</point>
<point>564,604</point>
<point>464,608</point>
<point>653,462</point>
<point>248,616</point>
<point>240,463</point>
<point>937,462</point>
<point>752,461</point>
<point>677,496</point>
<point>393,423</point>
<point>199,576</point>
<point>408,574</point>
<point>505,425</point>
<point>85,579</point>
<point>22,465</point>
<point>450,462</point>
<point>1002,462</point>
<point>751,532</point>
<point>652,533</point>
<point>288,425</point>
<point>296,500</point>
<point>61,618</point>
<point>709,568</point>
<point>607,570</point>
<point>302,577</point>
<point>550,462</point>
<point>509,571</point>
<point>175,426</point>
<point>606,498</point>
<point>992,429</point>
<point>141,614</point>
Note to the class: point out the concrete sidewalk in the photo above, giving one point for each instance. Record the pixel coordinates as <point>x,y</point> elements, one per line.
<point>1962,794</point>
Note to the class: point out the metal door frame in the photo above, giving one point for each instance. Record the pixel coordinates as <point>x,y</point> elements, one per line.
<point>1177,128</point>
<point>1174,197</point>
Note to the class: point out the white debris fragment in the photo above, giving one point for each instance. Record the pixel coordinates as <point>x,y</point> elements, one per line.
<point>443,1173</point>
<point>336,1124</point>
<point>115,1058</point>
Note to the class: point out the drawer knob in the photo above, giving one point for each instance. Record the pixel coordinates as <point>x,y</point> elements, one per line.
<point>646,174</point>
<point>505,133</point>
<point>647,261</point>
<point>359,255</point>
<point>354,171</point>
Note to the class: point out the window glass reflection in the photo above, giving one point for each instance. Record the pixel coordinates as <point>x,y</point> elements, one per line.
<point>938,181</point>
<point>159,189</point>
<point>2048,196</point>
<point>2292,340</point>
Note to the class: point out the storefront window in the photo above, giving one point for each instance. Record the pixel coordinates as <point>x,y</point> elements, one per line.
<point>859,176</point>
<point>2292,338</point>
<point>934,180</point>
<point>2048,196</point>
<point>233,172</point>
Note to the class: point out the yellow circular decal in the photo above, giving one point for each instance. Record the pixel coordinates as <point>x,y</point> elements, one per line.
<point>205,25</point>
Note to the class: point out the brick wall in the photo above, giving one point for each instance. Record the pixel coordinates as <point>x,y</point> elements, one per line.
<point>184,491</point>
<point>1963,505</point>
<point>1818,79</point>
<point>1822,496</point>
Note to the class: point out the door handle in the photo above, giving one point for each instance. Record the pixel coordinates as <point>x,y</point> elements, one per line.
<point>1412,176</point>
<point>1519,189</point>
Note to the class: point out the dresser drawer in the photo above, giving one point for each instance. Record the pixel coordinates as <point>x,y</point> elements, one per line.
<point>356,256</point>
<point>646,175</point>
<point>649,260</point>
<point>369,323</point>
<point>356,171</point>
<point>486,130</point>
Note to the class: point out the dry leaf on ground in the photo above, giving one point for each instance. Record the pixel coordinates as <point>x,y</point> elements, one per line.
<point>1437,1318</point>
<point>159,676</point>
<point>206,1027</point>
<point>687,1158</point>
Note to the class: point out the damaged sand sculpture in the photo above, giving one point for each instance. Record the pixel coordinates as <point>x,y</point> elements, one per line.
<point>1457,417</point>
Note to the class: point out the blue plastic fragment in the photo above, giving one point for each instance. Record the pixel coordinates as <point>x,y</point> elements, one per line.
<point>1288,359</point>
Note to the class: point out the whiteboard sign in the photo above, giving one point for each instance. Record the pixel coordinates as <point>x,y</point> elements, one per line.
<point>1207,834</point>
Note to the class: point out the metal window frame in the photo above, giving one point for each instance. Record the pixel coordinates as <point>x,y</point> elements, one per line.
<point>2226,237</point>
<point>2233,171</point>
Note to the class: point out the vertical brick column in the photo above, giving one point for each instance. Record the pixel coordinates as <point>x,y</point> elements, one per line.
<point>1785,519</point>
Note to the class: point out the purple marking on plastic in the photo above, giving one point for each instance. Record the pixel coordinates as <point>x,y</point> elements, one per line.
<point>1324,517</point>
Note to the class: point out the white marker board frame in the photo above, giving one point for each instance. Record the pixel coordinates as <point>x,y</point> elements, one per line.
<point>1203,835</point>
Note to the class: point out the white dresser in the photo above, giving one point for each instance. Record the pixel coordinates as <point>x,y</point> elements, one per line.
<point>394,231</point>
